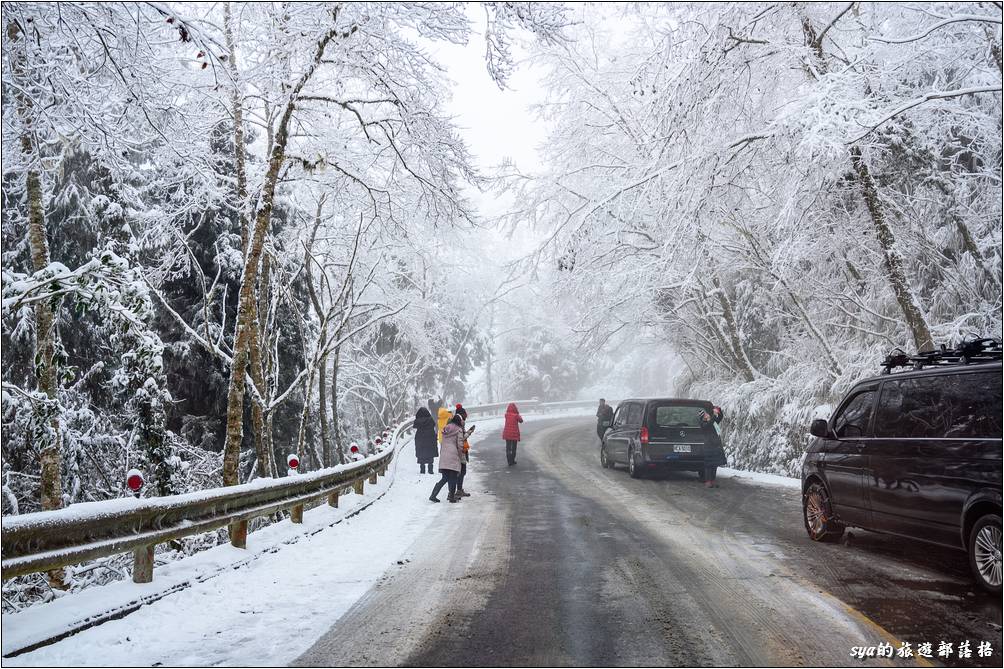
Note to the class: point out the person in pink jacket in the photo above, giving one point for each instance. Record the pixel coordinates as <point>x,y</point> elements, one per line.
<point>451,454</point>
<point>511,432</point>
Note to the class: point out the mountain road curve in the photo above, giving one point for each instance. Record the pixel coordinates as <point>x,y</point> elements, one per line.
<point>557,561</point>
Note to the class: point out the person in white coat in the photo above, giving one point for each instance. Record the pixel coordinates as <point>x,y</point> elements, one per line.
<point>451,454</point>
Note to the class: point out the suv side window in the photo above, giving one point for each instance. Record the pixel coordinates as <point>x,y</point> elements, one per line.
<point>621,416</point>
<point>853,420</point>
<point>911,409</point>
<point>975,400</point>
<point>941,406</point>
<point>634,416</point>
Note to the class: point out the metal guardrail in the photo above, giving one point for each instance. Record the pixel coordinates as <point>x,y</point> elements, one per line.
<point>529,406</point>
<point>52,539</point>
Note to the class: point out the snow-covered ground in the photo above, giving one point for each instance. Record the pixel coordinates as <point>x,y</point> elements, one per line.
<point>266,604</point>
<point>260,606</point>
<point>760,478</point>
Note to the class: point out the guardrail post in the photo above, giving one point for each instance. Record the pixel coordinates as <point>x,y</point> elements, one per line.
<point>382,471</point>
<point>373,478</point>
<point>142,564</point>
<point>333,499</point>
<point>296,513</point>
<point>238,534</point>
<point>358,487</point>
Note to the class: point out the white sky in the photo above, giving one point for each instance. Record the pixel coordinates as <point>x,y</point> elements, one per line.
<point>496,125</point>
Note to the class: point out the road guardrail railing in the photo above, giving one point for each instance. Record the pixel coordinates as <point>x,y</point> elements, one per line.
<point>49,540</point>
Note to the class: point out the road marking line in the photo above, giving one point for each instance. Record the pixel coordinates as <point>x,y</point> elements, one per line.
<point>883,632</point>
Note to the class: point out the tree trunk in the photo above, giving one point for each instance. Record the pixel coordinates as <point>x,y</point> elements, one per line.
<point>50,455</point>
<point>262,447</point>
<point>969,245</point>
<point>995,48</point>
<point>259,375</point>
<point>246,324</point>
<point>735,340</point>
<point>246,311</point>
<point>237,112</point>
<point>322,400</point>
<point>322,410</point>
<point>891,259</point>
<point>336,429</point>
<point>46,376</point>
<point>489,357</point>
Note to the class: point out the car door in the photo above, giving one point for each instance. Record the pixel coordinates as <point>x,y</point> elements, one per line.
<point>926,458</point>
<point>632,426</point>
<point>843,462</point>
<point>615,439</point>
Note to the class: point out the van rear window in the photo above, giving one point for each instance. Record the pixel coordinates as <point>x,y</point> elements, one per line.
<point>942,406</point>
<point>678,416</point>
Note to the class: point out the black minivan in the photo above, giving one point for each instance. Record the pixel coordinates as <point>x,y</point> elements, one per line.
<point>649,435</point>
<point>916,454</point>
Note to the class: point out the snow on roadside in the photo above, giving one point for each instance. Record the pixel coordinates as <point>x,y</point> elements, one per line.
<point>760,478</point>
<point>267,604</point>
<point>263,613</point>
<point>295,578</point>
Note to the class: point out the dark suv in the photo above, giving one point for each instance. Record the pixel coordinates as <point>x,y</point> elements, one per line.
<point>915,453</point>
<point>659,434</point>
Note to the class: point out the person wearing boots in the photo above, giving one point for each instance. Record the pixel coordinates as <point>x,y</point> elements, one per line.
<point>450,456</point>
<point>511,432</point>
<point>425,440</point>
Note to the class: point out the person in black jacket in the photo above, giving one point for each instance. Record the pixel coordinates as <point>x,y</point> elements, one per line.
<point>714,454</point>
<point>604,418</point>
<point>425,440</point>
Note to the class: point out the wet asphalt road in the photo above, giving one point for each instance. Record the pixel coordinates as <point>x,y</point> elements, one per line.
<point>558,562</point>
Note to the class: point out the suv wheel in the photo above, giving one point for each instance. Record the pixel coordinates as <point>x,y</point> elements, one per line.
<point>633,469</point>
<point>985,552</point>
<point>818,516</point>
<point>604,460</point>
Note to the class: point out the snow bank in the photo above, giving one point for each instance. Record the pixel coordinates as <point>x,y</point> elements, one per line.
<point>233,606</point>
<point>760,478</point>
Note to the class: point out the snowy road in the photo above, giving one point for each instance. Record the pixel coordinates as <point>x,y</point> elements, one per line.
<point>558,562</point>
<point>554,562</point>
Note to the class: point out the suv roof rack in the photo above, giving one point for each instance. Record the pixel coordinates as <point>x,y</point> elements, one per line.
<point>967,352</point>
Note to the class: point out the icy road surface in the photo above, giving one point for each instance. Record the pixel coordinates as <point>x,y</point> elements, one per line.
<point>560,562</point>
<point>553,562</point>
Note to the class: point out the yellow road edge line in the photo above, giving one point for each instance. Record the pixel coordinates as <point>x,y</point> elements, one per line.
<point>889,636</point>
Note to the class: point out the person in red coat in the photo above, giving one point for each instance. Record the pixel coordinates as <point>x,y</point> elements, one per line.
<point>511,432</point>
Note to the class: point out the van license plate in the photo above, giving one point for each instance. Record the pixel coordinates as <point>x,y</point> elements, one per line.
<point>682,448</point>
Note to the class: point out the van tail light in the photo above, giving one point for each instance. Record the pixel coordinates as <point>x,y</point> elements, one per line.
<point>644,436</point>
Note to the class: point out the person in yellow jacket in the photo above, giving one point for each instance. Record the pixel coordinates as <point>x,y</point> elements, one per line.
<point>442,419</point>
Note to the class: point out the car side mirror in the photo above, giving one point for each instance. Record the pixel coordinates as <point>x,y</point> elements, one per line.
<point>820,428</point>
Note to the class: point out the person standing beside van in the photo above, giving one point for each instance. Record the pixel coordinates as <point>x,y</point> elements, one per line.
<point>714,454</point>
<point>604,418</point>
